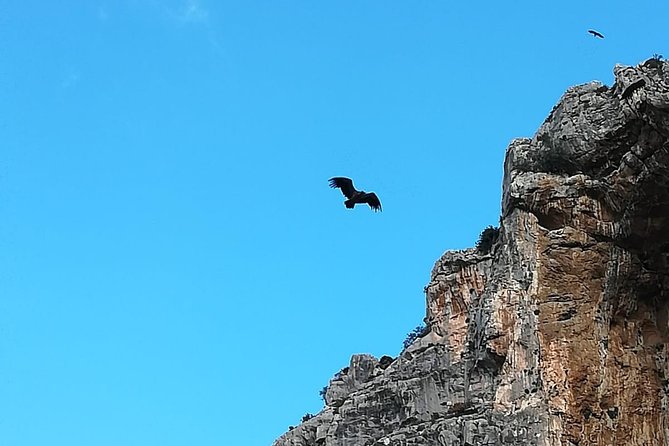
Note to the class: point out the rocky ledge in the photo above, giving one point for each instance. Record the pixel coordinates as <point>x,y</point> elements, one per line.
<point>558,335</point>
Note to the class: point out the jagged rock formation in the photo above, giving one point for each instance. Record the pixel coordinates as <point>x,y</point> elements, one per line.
<point>558,336</point>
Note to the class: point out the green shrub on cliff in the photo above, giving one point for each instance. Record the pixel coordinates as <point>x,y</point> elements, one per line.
<point>487,238</point>
<point>414,334</point>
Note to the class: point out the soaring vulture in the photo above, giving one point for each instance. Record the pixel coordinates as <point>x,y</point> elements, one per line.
<point>355,196</point>
<point>595,33</point>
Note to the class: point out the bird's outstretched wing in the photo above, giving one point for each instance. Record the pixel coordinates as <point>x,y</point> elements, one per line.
<point>372,200</point>
<point>345,184</point>
<point>595,33</point>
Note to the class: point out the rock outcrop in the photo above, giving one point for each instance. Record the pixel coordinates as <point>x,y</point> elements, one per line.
<point>558,335</point>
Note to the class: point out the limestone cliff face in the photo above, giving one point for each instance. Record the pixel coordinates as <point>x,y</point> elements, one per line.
<point>558,336</point>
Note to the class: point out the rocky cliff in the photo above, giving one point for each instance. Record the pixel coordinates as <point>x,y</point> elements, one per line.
<point>558,335</point>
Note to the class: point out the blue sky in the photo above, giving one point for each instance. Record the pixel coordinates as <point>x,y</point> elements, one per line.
<point>174,269</point>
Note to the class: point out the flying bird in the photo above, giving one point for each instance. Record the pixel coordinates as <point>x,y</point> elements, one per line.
<point>355,196</point>
<point>595,33</point>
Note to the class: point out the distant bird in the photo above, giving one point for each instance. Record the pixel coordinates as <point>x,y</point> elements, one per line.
<point>355,196</point>
<point>595,33</point>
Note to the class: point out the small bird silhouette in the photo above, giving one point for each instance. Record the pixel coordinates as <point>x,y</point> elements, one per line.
<point>355,196</point>
<point>595,33</point>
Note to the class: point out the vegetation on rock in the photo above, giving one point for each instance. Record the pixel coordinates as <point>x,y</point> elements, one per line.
<point>414,334</point>
<point>487,238</point>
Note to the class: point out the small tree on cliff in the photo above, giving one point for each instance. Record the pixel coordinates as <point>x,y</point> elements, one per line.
<point>487,238</point>
<point>414,334</point>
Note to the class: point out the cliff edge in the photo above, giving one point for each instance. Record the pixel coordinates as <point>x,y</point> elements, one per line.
<point>558,335</point>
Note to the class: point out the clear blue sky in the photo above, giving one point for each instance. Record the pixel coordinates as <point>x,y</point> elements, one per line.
<point>174,269</point>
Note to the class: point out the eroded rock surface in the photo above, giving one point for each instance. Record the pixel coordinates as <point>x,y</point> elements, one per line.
<point>558,336</point>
